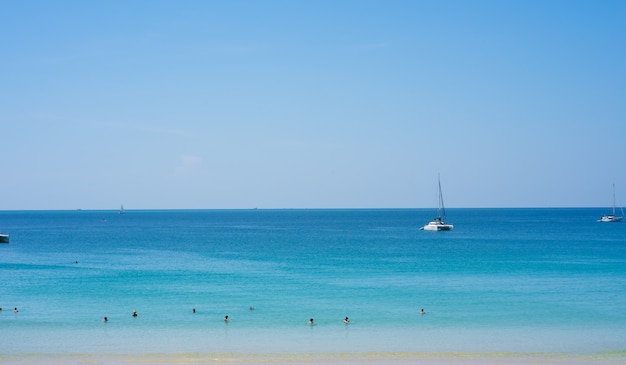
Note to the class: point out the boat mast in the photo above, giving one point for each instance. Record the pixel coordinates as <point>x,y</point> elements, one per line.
<point>613,199</point>
<point>442,209</point>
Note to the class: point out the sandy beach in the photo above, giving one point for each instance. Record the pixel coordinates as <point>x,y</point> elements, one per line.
<point>321,359</point>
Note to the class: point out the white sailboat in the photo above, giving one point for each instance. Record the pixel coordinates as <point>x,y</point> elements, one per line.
<point>612,217</point>
<point>439,223</point>
<point>122,211</point>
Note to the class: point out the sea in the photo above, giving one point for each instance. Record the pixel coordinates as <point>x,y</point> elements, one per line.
<point>518,281</point>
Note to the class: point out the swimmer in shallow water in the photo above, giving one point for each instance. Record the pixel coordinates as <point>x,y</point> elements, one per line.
<point>311,322</point>
<point>422,311</point>
<point>134,313</point>
<point>105,319</point>
<point>346,320</point>
<point>226,319</point>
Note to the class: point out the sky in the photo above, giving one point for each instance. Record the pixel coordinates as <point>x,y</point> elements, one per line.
<point>311,104</point>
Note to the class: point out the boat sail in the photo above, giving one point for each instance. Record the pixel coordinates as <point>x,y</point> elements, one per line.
<point>612,217</point>
<point>439,223</point>
<point>122,211</point>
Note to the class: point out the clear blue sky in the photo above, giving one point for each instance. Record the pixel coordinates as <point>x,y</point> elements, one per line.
<point>311,104</point>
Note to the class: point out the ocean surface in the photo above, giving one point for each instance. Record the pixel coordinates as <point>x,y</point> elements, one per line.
<point>504,281</point>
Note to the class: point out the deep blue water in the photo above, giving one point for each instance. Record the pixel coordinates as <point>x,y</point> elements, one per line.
<point>517,280</point>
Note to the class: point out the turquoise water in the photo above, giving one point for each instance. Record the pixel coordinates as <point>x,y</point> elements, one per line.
<point>505,280</point>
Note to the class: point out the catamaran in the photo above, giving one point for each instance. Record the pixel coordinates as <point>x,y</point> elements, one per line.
<point>439,223</point>
<point>612,217</point>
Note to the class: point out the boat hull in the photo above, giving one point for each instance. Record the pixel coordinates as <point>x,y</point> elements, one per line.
<point>610,218</point>
<point>4,238</point>
<point>435,226</point>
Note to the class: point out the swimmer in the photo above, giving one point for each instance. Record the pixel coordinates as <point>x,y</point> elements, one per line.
<point>193,310</point>
<point>105,319</point>
<point>251,308</point>
<point>134,313</point>
<point>15,310</point>
<point>226,319</point>
<point>311,321</point>
<point>422,311</point>
<point>346,320</point>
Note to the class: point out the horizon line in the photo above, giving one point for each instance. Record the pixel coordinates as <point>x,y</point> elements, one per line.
<point>318,208</point>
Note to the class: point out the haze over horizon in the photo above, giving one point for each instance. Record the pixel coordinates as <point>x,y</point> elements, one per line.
<point>311,104</point>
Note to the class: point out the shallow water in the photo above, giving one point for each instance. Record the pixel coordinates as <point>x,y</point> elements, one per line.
<point>505,280</point>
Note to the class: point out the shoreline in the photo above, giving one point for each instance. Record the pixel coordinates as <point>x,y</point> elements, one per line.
<point>388,358</point>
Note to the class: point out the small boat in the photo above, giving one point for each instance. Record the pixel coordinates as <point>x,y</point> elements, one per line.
<point>439,223</point>
<point>612,217</point>
<point>4,238</point>
<point>122,211</point>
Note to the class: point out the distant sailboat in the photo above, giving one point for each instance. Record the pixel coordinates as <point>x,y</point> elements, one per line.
<point>439,223</point>
<point>612,217</point>
<point>122,211</point>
